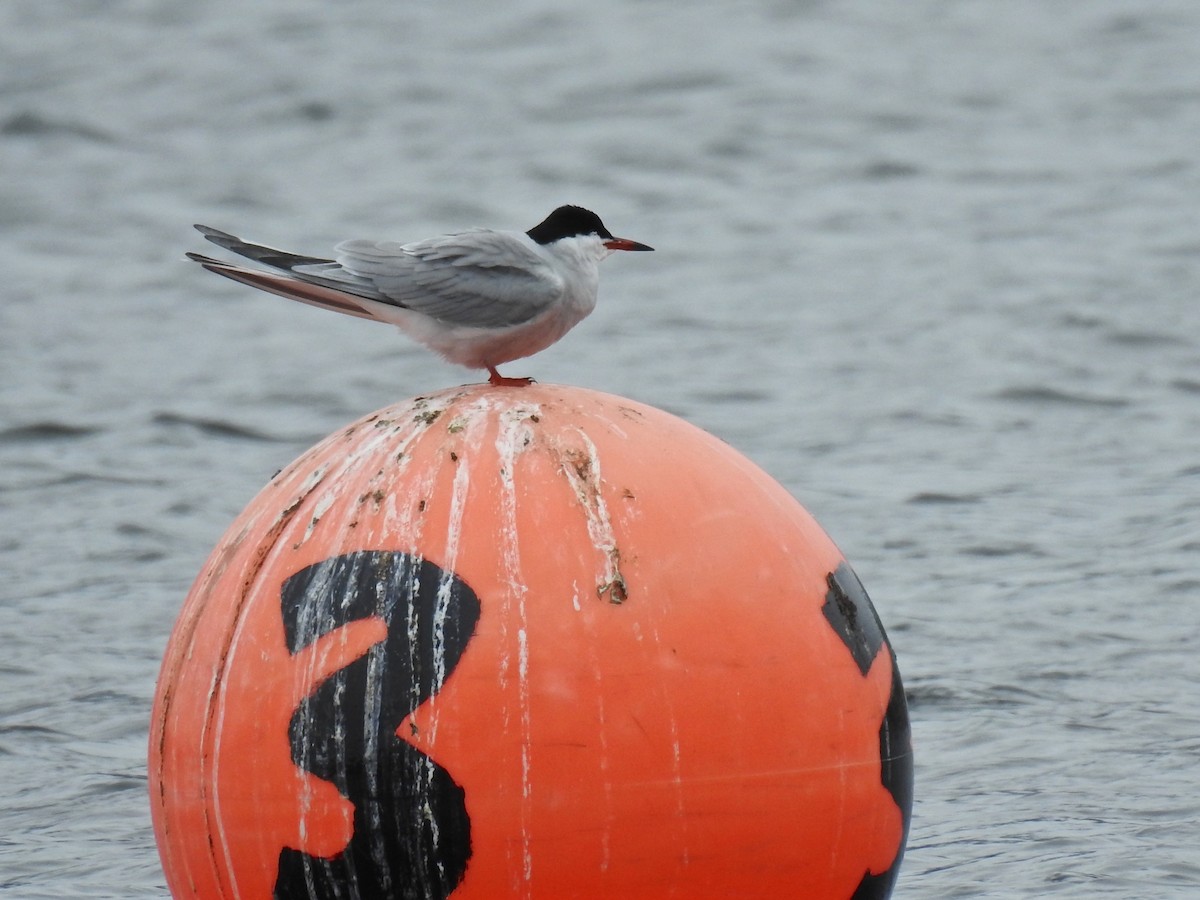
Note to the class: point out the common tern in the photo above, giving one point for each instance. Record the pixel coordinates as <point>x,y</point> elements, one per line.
<point>479,298</point>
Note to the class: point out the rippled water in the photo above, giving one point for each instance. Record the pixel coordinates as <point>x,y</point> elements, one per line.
<point>933,265</point>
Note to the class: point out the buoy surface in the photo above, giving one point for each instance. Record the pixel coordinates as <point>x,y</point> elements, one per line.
<point>528,642</point>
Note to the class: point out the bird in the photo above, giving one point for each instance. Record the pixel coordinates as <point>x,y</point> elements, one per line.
<point>479,298</point>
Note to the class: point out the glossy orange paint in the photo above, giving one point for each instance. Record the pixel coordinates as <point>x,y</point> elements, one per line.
<point>652,702</point>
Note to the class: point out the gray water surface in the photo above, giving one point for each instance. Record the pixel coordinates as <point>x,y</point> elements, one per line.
<point>933,265</point>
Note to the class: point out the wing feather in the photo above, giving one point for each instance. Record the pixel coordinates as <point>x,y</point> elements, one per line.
<point>292,288</point>
<point>479,279</point>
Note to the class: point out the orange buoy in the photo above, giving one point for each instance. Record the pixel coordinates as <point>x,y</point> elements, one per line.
<point>528,642</point>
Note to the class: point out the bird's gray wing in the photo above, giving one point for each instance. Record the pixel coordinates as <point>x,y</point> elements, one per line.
<point>480,279</point>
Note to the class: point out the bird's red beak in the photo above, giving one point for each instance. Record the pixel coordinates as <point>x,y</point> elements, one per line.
<point>625,244</point>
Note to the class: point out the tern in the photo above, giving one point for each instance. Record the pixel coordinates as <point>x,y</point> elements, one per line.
<point>479,298</point>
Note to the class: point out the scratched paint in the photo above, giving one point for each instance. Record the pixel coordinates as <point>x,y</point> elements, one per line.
<point>514,437</point>
<point>581,466</point>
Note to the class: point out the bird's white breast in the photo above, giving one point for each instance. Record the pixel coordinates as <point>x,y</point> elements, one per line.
<point>574,263</point>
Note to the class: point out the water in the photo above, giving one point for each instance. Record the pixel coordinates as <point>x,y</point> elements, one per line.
<point>933,265</point>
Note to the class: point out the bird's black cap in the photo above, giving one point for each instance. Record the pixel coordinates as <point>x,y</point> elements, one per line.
<point>575,221</point>
<point>568,221</point>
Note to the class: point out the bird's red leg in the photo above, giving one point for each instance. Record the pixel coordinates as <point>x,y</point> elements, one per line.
<point>499,380</point>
